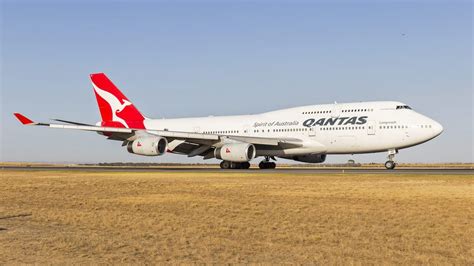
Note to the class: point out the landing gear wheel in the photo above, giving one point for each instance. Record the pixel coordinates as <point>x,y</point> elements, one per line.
<point>234,165</point>
<point>390,165</point>
<point>245,165</point>
<point>225,165</point>
<point>267,165</point>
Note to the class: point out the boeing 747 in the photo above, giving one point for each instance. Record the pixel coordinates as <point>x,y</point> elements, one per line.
<point>304,134</point>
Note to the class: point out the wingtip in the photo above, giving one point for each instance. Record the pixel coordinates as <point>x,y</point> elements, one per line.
<point>23,119</point>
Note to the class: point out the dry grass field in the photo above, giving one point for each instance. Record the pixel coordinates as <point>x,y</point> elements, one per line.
<point>91,217</point>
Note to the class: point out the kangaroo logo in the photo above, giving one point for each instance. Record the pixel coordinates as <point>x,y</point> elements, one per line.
<point>115,105</point>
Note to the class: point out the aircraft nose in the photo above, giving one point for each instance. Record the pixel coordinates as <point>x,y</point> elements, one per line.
<point>437,128</point>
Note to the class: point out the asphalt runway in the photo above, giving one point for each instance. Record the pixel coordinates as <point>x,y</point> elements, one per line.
<point>412,171</point>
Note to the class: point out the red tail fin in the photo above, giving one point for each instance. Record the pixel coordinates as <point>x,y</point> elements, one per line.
<point>115,108</point>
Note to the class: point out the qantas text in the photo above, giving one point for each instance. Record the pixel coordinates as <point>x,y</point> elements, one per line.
<point>335,121</point>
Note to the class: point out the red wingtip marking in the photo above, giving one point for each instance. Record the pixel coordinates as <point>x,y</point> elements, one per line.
<point>23,119</point>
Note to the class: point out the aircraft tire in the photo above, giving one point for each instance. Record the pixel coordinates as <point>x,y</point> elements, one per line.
<point>390,165</point>
<point>267,165</point>
<point>245,165</point>
<point>225,165</point>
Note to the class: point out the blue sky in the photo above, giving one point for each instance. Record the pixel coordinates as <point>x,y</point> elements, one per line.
<point>201,58</point>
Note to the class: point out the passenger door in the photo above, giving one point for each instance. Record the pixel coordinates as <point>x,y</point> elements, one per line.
<point>371,127</point>
<point>335,111</point>
<point>247,130</point>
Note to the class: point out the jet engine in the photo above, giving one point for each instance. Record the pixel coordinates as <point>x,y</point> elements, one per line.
<point>310,158</point>
<point>236,152</point>
<point>148,146</point>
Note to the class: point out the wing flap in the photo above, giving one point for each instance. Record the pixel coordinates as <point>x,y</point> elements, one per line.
<point>183,135</point>
<point>287,142</point>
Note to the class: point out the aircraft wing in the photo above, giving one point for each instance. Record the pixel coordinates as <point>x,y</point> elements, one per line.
<point>198,139</point>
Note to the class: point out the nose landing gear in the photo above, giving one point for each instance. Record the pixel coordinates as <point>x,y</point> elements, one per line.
<point>390,164</point>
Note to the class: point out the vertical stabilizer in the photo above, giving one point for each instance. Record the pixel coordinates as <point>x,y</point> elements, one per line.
<point>115,108</point>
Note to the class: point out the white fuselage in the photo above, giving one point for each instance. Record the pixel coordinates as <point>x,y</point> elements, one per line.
<point>342,128</point>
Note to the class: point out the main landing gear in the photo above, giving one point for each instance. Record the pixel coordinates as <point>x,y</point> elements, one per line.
<point>266,164</point>
<point>234,165</point>
<point>390,164</point>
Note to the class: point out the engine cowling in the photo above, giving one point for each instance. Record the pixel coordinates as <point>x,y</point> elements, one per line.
<point>236,152</point>
<point>148,146</point>
<point>310,158</point>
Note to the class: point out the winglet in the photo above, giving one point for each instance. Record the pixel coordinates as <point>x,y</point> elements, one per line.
<point>23,119</point>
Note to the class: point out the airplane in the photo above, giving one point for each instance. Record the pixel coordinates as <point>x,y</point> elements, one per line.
<point>304,134</point>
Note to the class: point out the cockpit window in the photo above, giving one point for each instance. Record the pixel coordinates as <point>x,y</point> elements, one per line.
<point>403,107</point>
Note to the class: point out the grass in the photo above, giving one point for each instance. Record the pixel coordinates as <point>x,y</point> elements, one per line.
<point>91,217</point>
